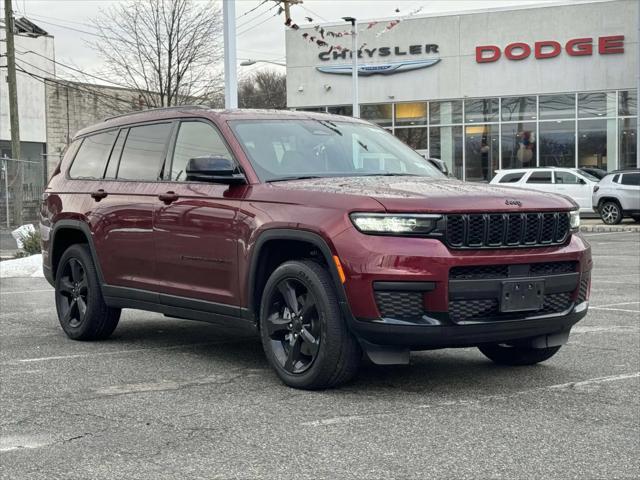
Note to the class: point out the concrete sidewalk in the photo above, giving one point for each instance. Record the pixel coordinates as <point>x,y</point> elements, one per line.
<point>597,225</point>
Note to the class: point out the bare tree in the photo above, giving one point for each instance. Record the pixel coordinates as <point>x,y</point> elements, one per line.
<point>167,51</point>
<point>263,89</point>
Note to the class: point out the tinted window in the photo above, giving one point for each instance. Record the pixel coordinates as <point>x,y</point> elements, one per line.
<point>567,178</point>
<point>143,152</point>
<point>92,156</point>
<point>196,139</point>
<point>615,178</point>
<point>630,179</point>
<point>112,167</point>
<point>512,177</point>
<point>540,177</point>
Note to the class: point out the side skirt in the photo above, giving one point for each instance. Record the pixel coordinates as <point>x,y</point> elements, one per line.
<point>177,307</point>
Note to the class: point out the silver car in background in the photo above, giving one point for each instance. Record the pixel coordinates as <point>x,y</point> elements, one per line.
<point>618,196</point>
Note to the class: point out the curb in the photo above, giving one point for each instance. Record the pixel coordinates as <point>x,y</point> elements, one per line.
<point>610,228</point>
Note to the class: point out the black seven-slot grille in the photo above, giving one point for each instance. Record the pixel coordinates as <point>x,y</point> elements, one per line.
<point>506,230</point>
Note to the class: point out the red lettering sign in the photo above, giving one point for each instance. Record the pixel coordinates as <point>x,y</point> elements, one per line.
<point>612,44</point>
<point>554,52</point>
<point>525,51</point>
<point>579,46</point>
<point>494,53</point>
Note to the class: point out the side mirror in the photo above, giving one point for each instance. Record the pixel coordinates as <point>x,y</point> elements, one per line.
<point>214,170</point>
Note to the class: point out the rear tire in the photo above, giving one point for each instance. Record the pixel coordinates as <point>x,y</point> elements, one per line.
<point>82,312</point>
<point>517,355</point>
<point>304,335</point>
<point>610,212</point>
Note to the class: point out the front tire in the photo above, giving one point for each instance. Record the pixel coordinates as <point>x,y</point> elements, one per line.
<point>82,312</point>
<point>610,213</point>
<point>515,355</point>
<point>303,333</point>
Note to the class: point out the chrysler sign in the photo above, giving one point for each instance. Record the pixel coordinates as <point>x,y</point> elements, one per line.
<point>366,69</point>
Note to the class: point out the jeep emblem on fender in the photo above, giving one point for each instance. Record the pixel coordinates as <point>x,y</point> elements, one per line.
<point>513,202</point>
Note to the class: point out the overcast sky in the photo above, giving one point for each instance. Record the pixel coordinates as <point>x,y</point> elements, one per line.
<point>260,34</point>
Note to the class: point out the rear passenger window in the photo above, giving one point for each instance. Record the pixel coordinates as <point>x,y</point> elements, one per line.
<point>540,177</point>
<point>630,179</point>
<point>196,139</point>
<point>92,156</point>
<point>512,177</point>
<point>143,152</point>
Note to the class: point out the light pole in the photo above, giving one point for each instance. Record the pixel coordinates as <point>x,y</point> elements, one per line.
<point>230,73</point>
<point>354,68</point>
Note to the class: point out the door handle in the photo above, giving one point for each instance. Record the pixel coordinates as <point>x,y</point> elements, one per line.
<point>98,195</point>
<point>168,197</point>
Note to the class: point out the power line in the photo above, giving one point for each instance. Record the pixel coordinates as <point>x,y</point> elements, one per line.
<point>253,9</point>
<point>256,25</point>
<point>312,12</point>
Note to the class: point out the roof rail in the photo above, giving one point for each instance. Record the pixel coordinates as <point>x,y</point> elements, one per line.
<point>160,109</point>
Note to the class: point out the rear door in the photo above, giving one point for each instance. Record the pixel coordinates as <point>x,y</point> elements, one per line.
<point>123,206</point>
<point>630,191</point>
<point>575,187</point>
<point>195,229</point>
<point>541,180</point>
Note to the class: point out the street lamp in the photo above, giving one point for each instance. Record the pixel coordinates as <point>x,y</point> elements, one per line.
<point>354,69</point>
<point>246,63</point>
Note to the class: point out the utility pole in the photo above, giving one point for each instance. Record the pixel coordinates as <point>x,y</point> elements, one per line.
<point>13,111</point>
<point>287,4</point>
<point>354,67</point>
<point>230,66</point>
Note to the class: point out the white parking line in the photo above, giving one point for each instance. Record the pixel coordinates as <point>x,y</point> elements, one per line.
<point>607,233</point>
<point>614,309</point>
<point>616,304</point>
<point>27,291</point>
<point>592,381</point>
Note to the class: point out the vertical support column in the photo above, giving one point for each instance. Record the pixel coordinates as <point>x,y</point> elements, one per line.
<point>230,68</point>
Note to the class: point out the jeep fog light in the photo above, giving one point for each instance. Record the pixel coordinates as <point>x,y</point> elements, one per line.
<point>574,220</point>
<point>395,224</point>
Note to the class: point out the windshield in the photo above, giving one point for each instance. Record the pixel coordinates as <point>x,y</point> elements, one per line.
<point>286,149</point>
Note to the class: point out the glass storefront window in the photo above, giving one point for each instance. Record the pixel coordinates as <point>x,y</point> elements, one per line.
<point>596,104</point>
<point>416,138</point>
<point>518,108</point>
<point>481,151</point>
<point>346,110</point>
<point>595,139</point>
<point>481,110</point>
<point>518,145</point>
<point>553,107</point>
<point>411,113</point>
<point>627,102</point>
<point>558,143</point>
<point>443,113</point>
<point>379,113</point>
<point>628,142</point>
<point>445,143</point>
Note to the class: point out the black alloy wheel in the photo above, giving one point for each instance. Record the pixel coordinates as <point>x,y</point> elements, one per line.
<point>72,293</point>
<point>293,326</point>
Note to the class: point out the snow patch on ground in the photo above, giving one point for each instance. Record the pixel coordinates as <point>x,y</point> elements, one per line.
<point>22,267</point>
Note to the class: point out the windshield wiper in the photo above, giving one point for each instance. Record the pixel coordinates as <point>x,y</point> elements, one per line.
<point>301,177</point>
<point>390,174</point>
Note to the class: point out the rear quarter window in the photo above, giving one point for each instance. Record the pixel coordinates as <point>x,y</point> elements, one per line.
<point>512,177</point>
<point>92,156</point>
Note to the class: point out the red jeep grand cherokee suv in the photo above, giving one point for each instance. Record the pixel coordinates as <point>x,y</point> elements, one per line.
<point>326,233</point>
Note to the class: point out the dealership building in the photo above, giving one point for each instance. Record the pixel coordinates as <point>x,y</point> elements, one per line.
<point>548,85</point>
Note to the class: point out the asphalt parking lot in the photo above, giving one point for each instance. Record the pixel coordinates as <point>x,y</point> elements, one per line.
<point>178,399</point>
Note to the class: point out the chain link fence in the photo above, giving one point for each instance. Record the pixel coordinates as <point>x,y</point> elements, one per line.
<point>21,188</point>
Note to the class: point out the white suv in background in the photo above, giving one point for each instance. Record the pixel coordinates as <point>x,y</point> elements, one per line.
<point>571,182</point>
<point>618,195</point>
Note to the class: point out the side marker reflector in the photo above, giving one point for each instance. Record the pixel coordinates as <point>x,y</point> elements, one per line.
<point>336,260</point>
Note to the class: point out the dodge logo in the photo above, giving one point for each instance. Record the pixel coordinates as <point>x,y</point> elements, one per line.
<point>513,202</point>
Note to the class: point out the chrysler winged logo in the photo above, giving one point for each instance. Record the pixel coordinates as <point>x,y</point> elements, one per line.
<point>380,68</point>
<point>513,202</point>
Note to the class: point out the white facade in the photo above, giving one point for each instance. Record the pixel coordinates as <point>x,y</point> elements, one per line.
<point>458,75</point>
<point>576,107</point>
<point>31,92</point>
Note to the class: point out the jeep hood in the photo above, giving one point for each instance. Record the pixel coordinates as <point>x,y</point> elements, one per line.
<point>424,194</point>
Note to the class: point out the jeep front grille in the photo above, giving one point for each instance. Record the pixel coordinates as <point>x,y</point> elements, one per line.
<point>506,230</point>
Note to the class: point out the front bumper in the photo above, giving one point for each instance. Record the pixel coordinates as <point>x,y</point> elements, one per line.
<point>437,309</point>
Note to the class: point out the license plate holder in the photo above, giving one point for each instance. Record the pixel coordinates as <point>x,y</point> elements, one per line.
<point>521,295</point>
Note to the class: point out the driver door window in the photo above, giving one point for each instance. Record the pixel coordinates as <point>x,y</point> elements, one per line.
<point>195,139</point>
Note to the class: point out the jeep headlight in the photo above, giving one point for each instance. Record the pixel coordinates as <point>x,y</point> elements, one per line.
<point>395,224</point>
<point>574,220</point>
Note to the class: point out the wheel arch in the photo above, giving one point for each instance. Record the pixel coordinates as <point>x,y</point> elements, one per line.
<point>70,232</point>
<point>261,263</point>
<point>609,199</point>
